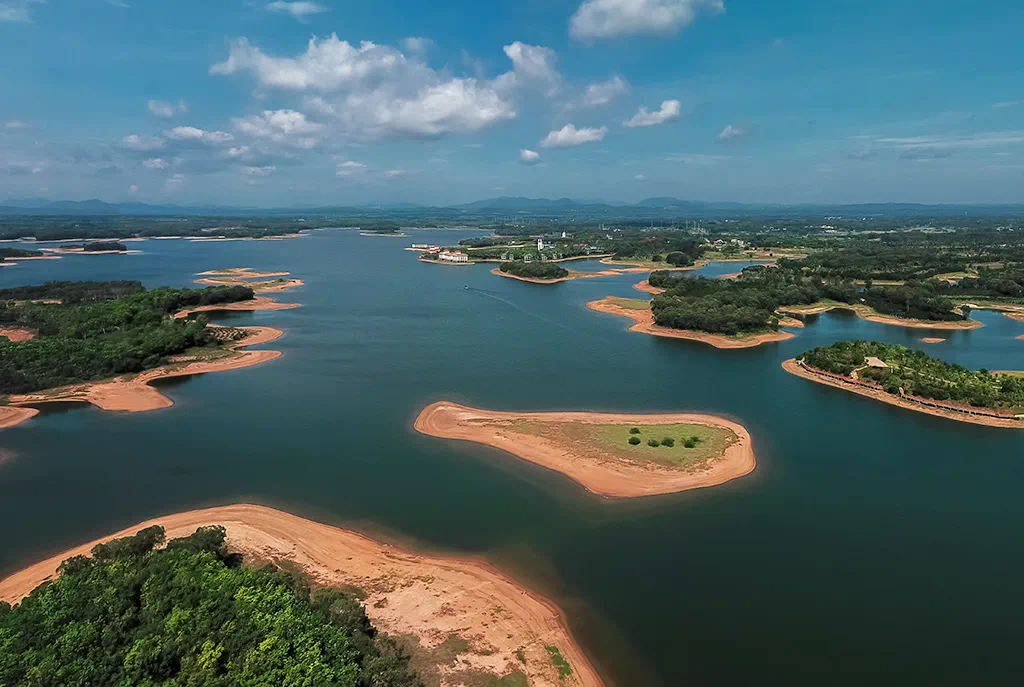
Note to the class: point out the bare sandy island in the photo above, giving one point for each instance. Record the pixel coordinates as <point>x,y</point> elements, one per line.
<point>259,282</point>
<point>134,393</point>
<point>866,313</point>
<point>793,367</point>
<point>57,252</point>
<point>932,340</point>
<point>598,468</point>
<point>644,319</point>
<point>256,304</point>
<point>435,605</point>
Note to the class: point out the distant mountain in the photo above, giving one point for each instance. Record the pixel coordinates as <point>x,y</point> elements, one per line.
<point>517,203</point>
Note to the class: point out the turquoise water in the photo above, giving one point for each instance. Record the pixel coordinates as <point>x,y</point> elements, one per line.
<point>871,544</point>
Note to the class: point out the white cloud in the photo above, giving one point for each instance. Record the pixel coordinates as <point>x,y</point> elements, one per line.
<point>156,163</point>
<point>640,177</point>
<point>611,18</point>
<point>299,9</point>
<point>392,173</point>
<point>531,64</point>
<point>15,124</point>
<point>142,143</point>
<point>264,171</point>
<point>604,92</point>
<point>18,10</point>
<point>239,151</point>
<point>990,139</point>
<point>166,109</point>
<point>669,112</point>
<point>133,189</point>
<point>289,127</point>
<point>375,91</point>
<point>417,45</point>
<point>569,136</point>
<point>174,183</point>
<point>350,167</point>
<point>191,133</point>
<point>730,132</point>
<point>529,157</point>
<point>1006,104</point>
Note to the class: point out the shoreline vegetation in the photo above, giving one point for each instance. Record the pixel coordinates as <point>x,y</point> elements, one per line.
<point>598,450</point>
<point>134,392</point>
<point>911,379</point>
<point>462,620</point>
<point>640,312</point>
<point>866,313</point>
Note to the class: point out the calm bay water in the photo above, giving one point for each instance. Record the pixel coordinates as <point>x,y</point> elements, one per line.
<point>872,543</point>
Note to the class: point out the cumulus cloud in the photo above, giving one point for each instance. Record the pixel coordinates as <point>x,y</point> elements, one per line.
<point>730,132</point>
<point>166,109</point>
<point>529,157</point>
<point>604,92</point>
<point>15,124</point>
<point>174,183</point>
<point>298,9</point>
<point>238,151</point>
<point>349,167</point>
<point>289,127</point>
<point>142,143</point>
<point>611,18</point>
<point>569,136</point>
<point>376,91</point>
<point>264,171</point>
<point>670,111</point>
<point>18,10</point>
<point>156,163</point>
<point>133,189</point>
<point>417,45</point>
<point>192,134</point>
<point>392,173</point>
<point>640,177</point>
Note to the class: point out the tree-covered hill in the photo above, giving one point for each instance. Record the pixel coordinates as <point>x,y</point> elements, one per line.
<point>534,270</point>
<point>190,615</point>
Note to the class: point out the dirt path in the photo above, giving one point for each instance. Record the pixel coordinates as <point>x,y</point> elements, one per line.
<point>793,367</point>
<point>645,325</point>
<point>597,471</point>
<point>503,627</point>
<point>134,393</point>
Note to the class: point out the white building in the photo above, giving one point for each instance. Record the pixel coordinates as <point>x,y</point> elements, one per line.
<point>452,256</point>
<point>540,244</point>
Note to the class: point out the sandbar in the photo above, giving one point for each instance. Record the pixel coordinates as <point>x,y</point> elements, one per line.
<point>134,393</point>
<point>504,626</point>
<point>793,367</point>
<point>80,251</point>
<point>256,304</point>
<point>13,415</point>
<point>1015,316</point>
<point>932,340</point>
<point>597,470</point>
<point>645,287</point>
<point>644,320</point>
<point>866,313</point>
<point>15,334</point>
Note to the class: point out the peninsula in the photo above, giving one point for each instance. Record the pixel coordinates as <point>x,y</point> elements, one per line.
<point>104,343</point>
<point>611,455</point>
<point>460,620</point>
<point>911,379</point>
<point>640,312</point>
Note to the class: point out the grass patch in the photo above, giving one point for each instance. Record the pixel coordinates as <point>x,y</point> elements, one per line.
<point>558,661</point>
<point>516,679</point>
<point>629,303</point>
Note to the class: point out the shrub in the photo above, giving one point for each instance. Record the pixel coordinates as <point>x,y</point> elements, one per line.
<point>690,443</point>
<point>695,439</point>
<point>635,430</point>
<point>653,443</point>
<point>634,441</point>
<point>668,441</point>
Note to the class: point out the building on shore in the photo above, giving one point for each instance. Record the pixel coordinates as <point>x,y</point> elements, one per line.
<point>452,256</point>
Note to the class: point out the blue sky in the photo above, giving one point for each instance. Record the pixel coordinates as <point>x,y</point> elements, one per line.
<point>251,102</point>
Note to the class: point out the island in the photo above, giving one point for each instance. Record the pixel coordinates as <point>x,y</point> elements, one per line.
<point>642,315</point>
<point>610,455</point>
<point>104,343</point>
<point>245,588</point>
<point>539,272</point>
<point>911,379</point>
<point>260,282</point>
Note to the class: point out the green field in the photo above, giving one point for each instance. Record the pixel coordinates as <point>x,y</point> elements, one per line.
<point>629,303</point>
<point>582,438</point>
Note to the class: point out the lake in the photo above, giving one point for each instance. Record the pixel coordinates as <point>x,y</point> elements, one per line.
<point>872,544</point>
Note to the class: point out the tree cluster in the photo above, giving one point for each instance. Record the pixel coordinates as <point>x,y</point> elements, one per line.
<point>190,614</point>
<point>534,270</point>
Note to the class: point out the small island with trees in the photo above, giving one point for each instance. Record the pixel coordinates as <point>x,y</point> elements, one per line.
<point>611,455</point>
<point>912,379</point>
<point>104,342</point>
<point>542,272</point>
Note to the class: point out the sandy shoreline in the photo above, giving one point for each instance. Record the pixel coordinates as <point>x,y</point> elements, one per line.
<point>135,394</point>
<point>13,415</point>
<point>865,313</point>
<point>429,597</point>
<point>260,303</point>
<point>644,320</point>
<point>1015,316</point>
<point>793,367</point>
<point>600,474</point>
<point>645,287</point>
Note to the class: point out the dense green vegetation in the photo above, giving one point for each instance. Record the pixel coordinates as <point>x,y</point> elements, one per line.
<point>534,270</point>
<point>920,375</point>
<point>102,246</point>
<point>125,227</point>
<point>189,614</point>
<point>19,253</point>
<point>99,330</point>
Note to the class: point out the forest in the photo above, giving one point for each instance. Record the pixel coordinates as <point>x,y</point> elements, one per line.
<point>19,253</point>
<point>103,246</point>
<point>920,375</point>
<point>87,331</point>
<point>190,614</point>
<point>534,270</point>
